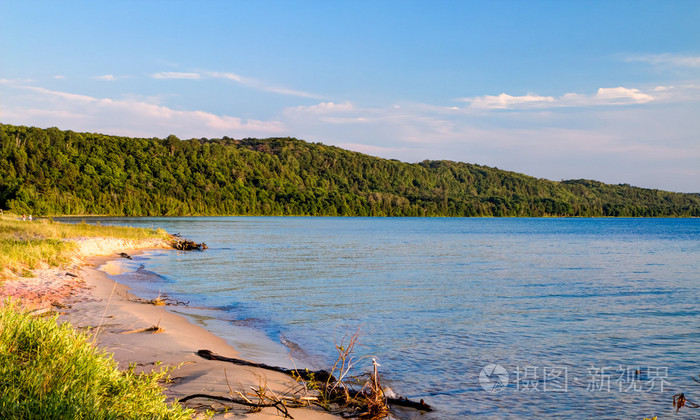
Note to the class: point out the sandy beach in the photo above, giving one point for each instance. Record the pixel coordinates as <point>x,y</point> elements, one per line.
<point>88,299</point>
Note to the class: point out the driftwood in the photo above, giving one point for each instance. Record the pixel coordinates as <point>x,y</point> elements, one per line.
<point>318,375</point>
<point>161,300</point>
<point>154,329</point>
<point>182,244</point>
<point>405,402</point>
<point>279,405</point>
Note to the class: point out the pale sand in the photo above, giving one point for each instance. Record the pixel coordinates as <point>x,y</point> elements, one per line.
<point>95,300</point>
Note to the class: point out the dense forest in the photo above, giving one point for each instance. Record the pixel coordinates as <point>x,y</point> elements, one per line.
<point>54,172</point>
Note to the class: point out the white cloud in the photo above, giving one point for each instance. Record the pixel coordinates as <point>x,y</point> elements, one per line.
<point>673,60</point>
<point>128,116</point>
<point>106,78</point>
<point>622,95</point>
<point>505,101</point>
<point>604,96</point>
<point>59,77</point>
<point>169,75</point>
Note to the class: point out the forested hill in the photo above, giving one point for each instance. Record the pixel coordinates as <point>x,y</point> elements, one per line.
<point>52,172</point>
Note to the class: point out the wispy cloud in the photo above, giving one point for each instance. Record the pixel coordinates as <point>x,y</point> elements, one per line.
<point>59,77</point>
<point>674,60</point>
<point>73,97</point>
<point>128,116</point>
<point>230,76</point>
<point>12,82</point>
<point>327,108</point>
<point>110,77</point>
<point>169,75</point>
<point>260,85</point>
<point>248,82</point>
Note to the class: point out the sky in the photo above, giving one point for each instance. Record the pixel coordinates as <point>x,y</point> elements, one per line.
<point>605,90</point>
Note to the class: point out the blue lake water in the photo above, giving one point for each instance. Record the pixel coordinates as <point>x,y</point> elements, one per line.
<point>481,318</point>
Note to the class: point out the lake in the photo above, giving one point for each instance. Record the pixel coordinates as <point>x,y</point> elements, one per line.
<point>480,317</point>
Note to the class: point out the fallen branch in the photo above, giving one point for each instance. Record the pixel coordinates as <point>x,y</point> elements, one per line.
<point>405,402</point>
<point>279,405</point>
<point>319,376</point>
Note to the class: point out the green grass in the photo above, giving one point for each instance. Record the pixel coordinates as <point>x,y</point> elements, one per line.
<point>25,245</point>
<point>47,369</point>
<point>50,371</point>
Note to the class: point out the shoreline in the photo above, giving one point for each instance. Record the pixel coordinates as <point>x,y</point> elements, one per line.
<point>250,341</point>
<point>88,299</point>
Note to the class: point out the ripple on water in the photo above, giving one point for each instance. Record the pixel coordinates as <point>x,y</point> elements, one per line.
<point>440,299</point>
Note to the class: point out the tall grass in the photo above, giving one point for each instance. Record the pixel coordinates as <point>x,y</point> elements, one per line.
<point>50,371</point>
<point>24,245</point>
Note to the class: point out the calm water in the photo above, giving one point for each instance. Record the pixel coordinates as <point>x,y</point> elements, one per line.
<point>585,318</point>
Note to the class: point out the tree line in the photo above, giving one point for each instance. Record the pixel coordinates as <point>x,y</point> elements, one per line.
<point>56,172</point>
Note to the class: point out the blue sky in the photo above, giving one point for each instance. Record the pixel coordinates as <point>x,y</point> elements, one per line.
<point>606,90</point>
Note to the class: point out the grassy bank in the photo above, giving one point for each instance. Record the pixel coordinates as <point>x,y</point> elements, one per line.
<point>25,245</point>
<point>50,371</point>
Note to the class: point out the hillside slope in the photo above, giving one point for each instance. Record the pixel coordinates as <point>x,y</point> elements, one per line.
<point>52,172</point>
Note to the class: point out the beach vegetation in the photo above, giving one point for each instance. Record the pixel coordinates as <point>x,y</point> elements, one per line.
<point>48,370</point>
<point>55,172</point>
<point>25,245</point>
